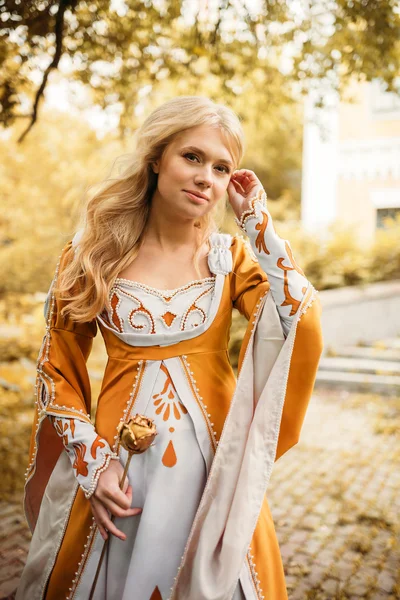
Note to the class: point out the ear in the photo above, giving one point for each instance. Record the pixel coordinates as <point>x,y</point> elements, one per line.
<point>154,166</point>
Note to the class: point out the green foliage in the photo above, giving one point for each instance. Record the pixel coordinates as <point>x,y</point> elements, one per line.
<point>43,184</point>
<point>119,51</point>
<point>339,258</point>
<point>385,253</point>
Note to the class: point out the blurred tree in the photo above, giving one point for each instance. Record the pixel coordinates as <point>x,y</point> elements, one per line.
<point>118,47</point>
<point>43,184</point>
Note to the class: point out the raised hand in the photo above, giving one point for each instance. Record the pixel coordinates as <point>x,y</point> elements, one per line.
<point>243,186</point>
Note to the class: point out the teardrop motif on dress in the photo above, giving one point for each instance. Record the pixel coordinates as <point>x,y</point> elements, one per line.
<point>169,457</point>
<point>156,595</point>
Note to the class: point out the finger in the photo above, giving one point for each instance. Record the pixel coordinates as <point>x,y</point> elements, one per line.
<point>126,485</point>
<point>116,496</point>
<point>238,185</point>
<point>117,511</point>
<point>107,524</point>
<point>97,519</point>
<point>244,173</point>
<point>237,176</point>
<point>243,182</point>
<point>112,528</point>
<point>102,531</point>
<point>103,519</point>
<point>249,178</point>
<point>129,495</point>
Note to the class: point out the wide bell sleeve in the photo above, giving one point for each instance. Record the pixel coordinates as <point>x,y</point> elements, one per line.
<point>69,349</point>
<point>63,403</point>
<point>288,282</point>
<point>299,309</point>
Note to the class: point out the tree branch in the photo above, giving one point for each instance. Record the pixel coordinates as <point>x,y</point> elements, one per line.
<point>59,26</point>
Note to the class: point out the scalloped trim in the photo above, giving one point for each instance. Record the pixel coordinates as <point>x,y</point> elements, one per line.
<point>251,213</point>
<point>313,296</point>
<point>89,491</point>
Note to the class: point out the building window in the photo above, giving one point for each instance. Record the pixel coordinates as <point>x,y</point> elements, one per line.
<point>382,104</point>
<point>384,213</point>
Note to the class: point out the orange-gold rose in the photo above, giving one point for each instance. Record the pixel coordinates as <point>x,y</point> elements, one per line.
<point>137,435</point>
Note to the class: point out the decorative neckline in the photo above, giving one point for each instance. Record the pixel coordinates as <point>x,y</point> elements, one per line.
<point>171,337</point>
<point>132,283</point>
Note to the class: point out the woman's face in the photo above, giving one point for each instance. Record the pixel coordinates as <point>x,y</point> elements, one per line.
<point>197,160</point>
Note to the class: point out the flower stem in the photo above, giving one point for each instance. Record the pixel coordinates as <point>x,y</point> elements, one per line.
<point>121,483</point>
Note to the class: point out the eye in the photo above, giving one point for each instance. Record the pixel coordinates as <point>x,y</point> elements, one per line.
<point>225,169</point>
<point>189,154</point>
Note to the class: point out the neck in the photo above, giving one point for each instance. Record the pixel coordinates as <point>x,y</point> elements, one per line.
<point>167,231</point>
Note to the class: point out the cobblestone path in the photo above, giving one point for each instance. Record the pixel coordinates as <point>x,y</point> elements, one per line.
<point>334,498</point>
<point>336,503</point>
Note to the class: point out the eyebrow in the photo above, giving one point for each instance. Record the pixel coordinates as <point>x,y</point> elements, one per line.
<point>199,151</point>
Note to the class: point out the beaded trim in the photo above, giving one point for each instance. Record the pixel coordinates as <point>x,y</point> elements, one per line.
<point>196,392</point>
<point>113,312</point>
<point>138,380</point>
<point>254,576</point>
<point>42,359</point>
<point>162,293</point>
<point>86,549</point>
<point>141,310</point>
<point>193,308</point>
<point>40,384</point>
<point>97,472</point>
<point>250,213</point>
<point>313,296</point>
<point>249,247</point>
<point>45,391</point>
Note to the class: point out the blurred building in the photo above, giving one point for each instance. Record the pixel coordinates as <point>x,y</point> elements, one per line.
<point>351,161</point>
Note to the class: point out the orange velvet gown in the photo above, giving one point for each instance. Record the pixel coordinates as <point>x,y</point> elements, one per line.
<point>251,422</point>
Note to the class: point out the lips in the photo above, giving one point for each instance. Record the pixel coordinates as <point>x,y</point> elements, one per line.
<point>198,194</point>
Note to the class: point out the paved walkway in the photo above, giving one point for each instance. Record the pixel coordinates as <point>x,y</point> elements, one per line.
<point>334,497</point>
<point>336,501</point>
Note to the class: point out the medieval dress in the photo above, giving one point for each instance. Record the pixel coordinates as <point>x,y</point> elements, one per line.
<point>206,530</point>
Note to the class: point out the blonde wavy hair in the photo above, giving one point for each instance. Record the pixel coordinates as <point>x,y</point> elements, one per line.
<point>115,215</point>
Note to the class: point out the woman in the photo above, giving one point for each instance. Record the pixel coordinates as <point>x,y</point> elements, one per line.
<point>151,270</point>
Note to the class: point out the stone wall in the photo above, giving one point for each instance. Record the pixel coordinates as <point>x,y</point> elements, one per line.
<point>357,314</point>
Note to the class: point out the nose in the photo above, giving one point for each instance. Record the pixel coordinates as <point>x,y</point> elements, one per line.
<point>204,176</point>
